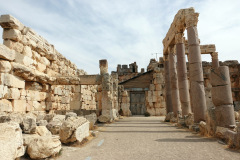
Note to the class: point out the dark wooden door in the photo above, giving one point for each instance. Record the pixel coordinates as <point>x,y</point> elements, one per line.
<point>137,100</point>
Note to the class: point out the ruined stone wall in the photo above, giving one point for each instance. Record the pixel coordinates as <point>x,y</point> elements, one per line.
<point>35,76</point>
<point>124,102</point>
<point>155,97</point>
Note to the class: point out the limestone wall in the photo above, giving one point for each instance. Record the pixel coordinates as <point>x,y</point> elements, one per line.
<point>34,76</point>
<point>155,97</point>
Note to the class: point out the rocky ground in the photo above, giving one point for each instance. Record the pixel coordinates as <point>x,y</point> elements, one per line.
<point>144,138</point>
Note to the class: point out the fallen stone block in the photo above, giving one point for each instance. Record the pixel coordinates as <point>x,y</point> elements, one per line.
<point>169,116</point>
<point>42,123</point>
<point>29,125</point>
<point>189,119</point>
<point>92,118</point>
<point>70,114</point>
<point>11,141</point>
<point>221,132</point>
<point>54,127</point>
<point>43,131</point>
<point>74,129</point>
<point>39,147</point>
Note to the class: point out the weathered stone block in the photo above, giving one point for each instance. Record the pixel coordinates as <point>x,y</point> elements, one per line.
<point>18,47</point>
<point>152,87</point>
<point>5,106</point>
<point>45,61</point>
<point>151,111</point>
<point>13,93</point>
<point>29,125</point>
<point>3,91</point>
<point>43,131</point>
<point>41,67</point>
<point>27,51</point>
<point>92,118</point>
<point>75,105</point>
<point>19,105</point>
<point>25,60</point>
<point>41,147</point>
<point>6,53</point>
<point>11,81</point>
<point>74,129</point>
<point>12,34</point>
<point>8,21</point>
<point>11,141</point>
<point>5,66</point>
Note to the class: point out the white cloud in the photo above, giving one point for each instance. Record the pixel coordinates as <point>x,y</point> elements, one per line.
<point>123,31</point>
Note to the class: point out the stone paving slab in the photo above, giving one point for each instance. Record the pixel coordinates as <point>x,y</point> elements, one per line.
<point>149,138</point>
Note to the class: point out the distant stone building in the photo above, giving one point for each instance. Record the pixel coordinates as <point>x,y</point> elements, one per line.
<point>143,92</point>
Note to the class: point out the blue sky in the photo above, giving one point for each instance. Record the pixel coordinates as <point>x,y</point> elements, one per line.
<point>124,31</point>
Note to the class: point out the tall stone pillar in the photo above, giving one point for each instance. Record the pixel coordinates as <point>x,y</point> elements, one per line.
<point>103,65</point>
<point>182,74</point>
<point>174,82</point>
<point>197,91</point>
<point>107,114</point>
<point>168,97</point>
<point>215,62</point>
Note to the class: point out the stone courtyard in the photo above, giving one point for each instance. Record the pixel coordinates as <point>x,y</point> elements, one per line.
<point>179,108</point>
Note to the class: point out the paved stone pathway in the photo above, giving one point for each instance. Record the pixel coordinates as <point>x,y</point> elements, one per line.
<point>149,138</point>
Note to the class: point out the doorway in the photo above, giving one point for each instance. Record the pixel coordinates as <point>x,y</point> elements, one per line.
<point>137,103</point>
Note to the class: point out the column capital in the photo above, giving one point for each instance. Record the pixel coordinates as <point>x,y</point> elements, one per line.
<point>191,20</point>
<point>214,55</point>
<point>165,57</point>
<point>179,38</point>
<point>171,49</point>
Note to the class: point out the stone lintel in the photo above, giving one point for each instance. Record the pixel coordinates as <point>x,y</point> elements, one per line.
<point>205,49</point>
<point>183,18</point>
<point>90,79</point>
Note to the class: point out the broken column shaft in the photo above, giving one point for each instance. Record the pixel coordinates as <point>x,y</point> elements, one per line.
<point>222,96</point>
<point>107,115</point>
<point>182,75</point>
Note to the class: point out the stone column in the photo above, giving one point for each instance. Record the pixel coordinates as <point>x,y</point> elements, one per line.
<point>215,62</point>
<point>222,96</point>
<point>168,97</point>
<point>107,114</point>
<point>197,91</point>
<point>103,65</point>
<point>174,82</point>
<point>182,74</point>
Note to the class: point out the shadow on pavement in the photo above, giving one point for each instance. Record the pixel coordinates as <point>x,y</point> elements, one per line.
<point>185,140</point>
